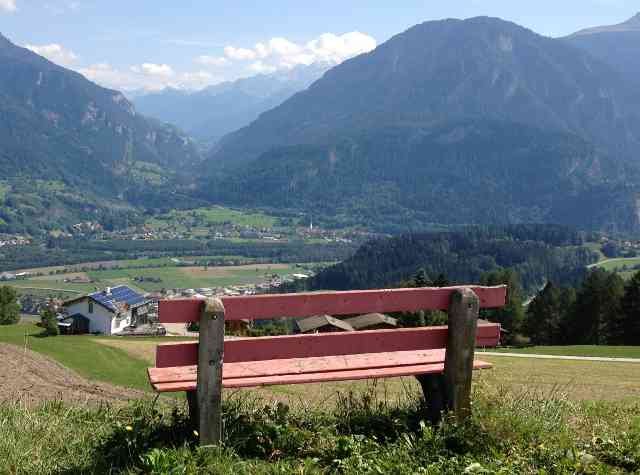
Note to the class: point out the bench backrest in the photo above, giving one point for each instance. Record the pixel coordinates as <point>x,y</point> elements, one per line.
<point>332,303</point>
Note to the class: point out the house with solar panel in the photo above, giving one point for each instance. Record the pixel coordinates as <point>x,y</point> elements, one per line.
<point>108,311</point>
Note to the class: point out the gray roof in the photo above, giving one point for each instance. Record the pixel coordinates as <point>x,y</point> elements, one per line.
<point>371,319</point>
<point>310,324</point>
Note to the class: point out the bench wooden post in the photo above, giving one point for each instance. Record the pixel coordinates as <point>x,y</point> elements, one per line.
<point>461,341</point>
<point>209,380</point>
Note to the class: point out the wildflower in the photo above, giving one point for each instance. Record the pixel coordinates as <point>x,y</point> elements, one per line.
<point>129,429</point>
<point>474,468</point>
<point>195,433</point>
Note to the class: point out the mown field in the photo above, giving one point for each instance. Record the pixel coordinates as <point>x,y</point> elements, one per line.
<point>623,266</point>
<point>579,350</point>
<point>204,218</point>
<point>139,276</point>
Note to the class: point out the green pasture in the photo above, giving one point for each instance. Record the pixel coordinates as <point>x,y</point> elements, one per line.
<point>185,277</point>
<point>82,354</point>
<point>210,217</point>
<point>578,350</point>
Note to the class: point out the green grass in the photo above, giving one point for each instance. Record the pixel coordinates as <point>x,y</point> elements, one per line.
<point>180,277</point>
<point>170,275</point>
<point>203,218</point>
<point>82,354</point>
<point>619,263</point>
<point>361,434</point>
<point>579,350</point>
<point>57,284</point>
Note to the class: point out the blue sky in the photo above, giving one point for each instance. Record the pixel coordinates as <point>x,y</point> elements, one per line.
<point>151,44</point>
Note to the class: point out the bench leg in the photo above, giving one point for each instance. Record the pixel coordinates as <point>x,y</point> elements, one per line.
<point>461,343</point>
<point>434,390</point>
<point>210,360</point>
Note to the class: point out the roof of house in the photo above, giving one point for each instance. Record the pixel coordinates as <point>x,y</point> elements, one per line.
<point>110,298</point>
<point>315,323</point>
<point>370,320</point>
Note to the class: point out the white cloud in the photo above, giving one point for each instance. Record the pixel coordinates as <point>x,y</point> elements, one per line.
<point>262,68</point>
<point>8,5</point>
<point>241,54</point>
<point>151,69</point>
<point>55,53</point>
<point>280,53</point>
<point>148,76</point>
<point>217,61</point>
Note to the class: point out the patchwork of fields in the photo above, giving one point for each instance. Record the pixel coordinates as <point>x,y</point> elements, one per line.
<point>141,276</point>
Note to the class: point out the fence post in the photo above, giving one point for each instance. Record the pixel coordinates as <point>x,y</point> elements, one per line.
<point>461,342</point>
<point>209,383</point>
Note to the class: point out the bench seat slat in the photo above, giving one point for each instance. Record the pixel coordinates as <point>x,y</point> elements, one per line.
<point>303,365</point>
<point>303,378</point>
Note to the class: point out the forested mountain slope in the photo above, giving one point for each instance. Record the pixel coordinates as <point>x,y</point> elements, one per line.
<point>538,253</point>
<point>475,121</point>
<point>82,147</point>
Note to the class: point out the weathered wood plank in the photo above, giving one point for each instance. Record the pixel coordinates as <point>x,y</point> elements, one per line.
<point>330,303</point>
<point>325,344</point>
<point>307,378</point>
<point>459,359</point>
<point>304,365</point>
<point>209,373</point>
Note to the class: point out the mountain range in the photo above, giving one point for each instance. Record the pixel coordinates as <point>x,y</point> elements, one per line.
<point>450,122</point>
<point>217,110</point>
<point>454,121</point>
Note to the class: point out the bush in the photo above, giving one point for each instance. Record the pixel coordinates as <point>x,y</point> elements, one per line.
<point>9,306</point>
<point>49,322</point>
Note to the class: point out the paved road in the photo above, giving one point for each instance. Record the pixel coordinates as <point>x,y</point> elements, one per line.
<point>558,357</point>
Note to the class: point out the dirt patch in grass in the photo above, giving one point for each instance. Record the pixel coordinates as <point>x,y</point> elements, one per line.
<point>32,378</point>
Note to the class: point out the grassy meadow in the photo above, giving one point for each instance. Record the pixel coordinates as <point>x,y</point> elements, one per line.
<point>529,416</point>
<point>578,350</point>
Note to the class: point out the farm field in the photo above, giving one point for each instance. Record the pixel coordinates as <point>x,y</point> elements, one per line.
<point>578,350</point>
<point>204,218</point>
<point>623,266</point>
<point>142,278</point>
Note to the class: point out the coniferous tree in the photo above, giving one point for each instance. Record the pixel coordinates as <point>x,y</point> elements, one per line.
<point>547,315</point>
<point>511,316</point>
<point>597,318</point>
<point>631,310</point>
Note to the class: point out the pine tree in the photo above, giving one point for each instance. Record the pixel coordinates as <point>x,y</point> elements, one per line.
<point>598,318</point>
<point>511,316</point>
<point>631,311</point>
<point>547,315</point>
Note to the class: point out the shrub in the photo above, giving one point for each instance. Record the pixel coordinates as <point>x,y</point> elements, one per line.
<point>49,322</point>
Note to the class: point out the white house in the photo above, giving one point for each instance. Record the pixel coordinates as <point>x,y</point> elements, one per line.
<point>109,311</point>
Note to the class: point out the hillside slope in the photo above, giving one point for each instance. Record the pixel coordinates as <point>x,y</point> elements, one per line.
<point>475,121</point>
<point>61,132</point>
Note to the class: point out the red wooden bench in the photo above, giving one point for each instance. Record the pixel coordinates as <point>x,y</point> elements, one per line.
<point>442,358</point>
